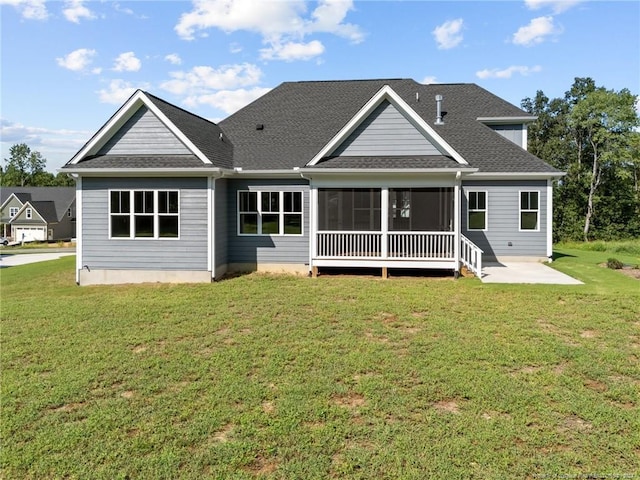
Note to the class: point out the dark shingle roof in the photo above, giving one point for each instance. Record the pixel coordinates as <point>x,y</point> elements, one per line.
<point>204,134</point>
<point>61,197</point>
<point>300,118</point>
<point>142,161</point>
<point>431,161</point>
<point>47,210</point>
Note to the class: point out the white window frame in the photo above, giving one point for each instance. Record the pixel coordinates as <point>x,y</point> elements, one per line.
<point>485,210</point>
<point>528,210</point>
<point>28,214</point>
<point>13,211</point>
<point>156,214</point>
<point>281,213</point>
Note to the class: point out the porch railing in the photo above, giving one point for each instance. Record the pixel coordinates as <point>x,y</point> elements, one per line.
<point>471,255</point>
<point>396,245</point>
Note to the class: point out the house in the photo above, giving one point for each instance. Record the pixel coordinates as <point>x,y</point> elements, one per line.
<point>32,214</point>
<point>372,173</point>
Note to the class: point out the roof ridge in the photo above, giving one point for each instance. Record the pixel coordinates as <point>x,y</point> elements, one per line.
<point>154,97</point>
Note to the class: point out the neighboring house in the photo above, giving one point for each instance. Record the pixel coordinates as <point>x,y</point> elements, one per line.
<point>372,173</point>
<point>38,213</point>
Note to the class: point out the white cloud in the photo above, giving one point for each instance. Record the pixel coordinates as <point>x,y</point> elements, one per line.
<point>29,9</point>
<point>127,62</point>
<point>235,47</point>
<point>280,23</point>
<point>75,10</point>
<point>429,80</point>
<point>119,91</point>
<point>173,58</point>
<point>56,145</point>
<point>203,79</point>
<point>229,101</point>
<point>538,29</point>
<point>292,51</point>
<point>508,72</point>
<point>448,34</point>
<point>557,6</point>
<point>78,60</point>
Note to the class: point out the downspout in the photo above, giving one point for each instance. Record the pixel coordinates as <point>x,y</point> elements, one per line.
<point>456,224</point>
<point>313,201</point>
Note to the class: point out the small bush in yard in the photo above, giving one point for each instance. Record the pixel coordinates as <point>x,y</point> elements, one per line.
<point>614,264</point>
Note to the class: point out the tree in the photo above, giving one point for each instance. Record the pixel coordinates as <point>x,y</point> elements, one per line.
<point>23,166</point>
<point>589,134</point>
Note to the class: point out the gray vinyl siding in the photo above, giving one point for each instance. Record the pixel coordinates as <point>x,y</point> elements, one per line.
<point>144,134</point>
<point>256,249</point>
<point>189,252</point>
<point>503,219</point>
<point>386,132</point>
<point>14,202</point>
<point>220,218</point>
<point>510,132</point>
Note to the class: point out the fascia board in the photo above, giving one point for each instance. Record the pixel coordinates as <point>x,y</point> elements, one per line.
<point>506,120</point>
<point>386,92</point>
<point>365,171</point>
<point>516,175</point>
<point>23,208</point>
<point>13,195</point>
<point>146,172</point>
<point>123,114</point>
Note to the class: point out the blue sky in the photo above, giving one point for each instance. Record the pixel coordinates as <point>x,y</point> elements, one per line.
<point>66,66</point>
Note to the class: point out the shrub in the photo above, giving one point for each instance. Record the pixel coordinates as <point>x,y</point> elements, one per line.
<point>614,263</point>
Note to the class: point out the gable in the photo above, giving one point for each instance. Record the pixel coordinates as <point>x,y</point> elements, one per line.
<point>386,132</point>
<point>144,134</point>
<point>36,217</point>
<point>10,203</point>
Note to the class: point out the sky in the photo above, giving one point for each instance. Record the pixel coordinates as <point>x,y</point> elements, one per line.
<point>67,66</point>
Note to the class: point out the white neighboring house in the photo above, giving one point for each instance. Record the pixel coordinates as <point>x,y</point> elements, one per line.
<point>31,214</point>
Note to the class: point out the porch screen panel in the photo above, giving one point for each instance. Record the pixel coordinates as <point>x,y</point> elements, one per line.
<point>349,209</point>
<point>421,209</point>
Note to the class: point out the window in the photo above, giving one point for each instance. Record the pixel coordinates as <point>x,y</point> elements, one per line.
<point>477,210</point>
<point>13,211</point>
<point>69,213</point>
<point>28,214</point>
<point>529,207</point>
<point>349,209</point>
<point>421,209</point>
<point>144,214</point>
<point>269,213</point>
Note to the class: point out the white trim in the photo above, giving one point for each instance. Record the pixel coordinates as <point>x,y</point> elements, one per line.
<point>384,218</point>
<point>516,175</point>
<point>529,210</point>
<point>132,214</point>
<point>386,93</point>
<point>313,223</point>
<point>147,172</point>
<point>485,210</point>
<point>28,213</point>
<point>549,219</point>
<point>78,228</point>
<point>365,171</point>
<point>124,113</point>
<point>457,220</point>
<point>15,211</point>
<point>525,137</point>
<point>507,120</point>
<point>281,213</point>
<point>9,198</point>
<point>211,236</point>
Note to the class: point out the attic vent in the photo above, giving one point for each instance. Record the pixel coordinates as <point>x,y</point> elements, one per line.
<point>439,110</point>
<point>260,126</point>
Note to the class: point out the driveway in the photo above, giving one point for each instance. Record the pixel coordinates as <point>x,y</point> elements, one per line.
<point>24,258</point>
<point>525,272</point>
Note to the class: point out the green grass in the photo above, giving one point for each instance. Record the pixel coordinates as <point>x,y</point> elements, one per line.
<point>284,377</point>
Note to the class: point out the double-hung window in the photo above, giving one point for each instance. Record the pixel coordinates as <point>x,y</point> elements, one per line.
<point>269,213</point>
<point>529,211</point>
<point>13,211</point>
<point>28,214</point>
<point>144,213</point>
<point>477,210</point>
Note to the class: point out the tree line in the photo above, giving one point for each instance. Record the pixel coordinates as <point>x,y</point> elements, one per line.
<point>591,134</point>
<point>26,168</point>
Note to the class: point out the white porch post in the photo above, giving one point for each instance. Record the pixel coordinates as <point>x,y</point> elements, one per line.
<point>79,228</point>
<point>456,221</point>
<point>313,224</point>
<point>384,221</point>
<point>550,219</point>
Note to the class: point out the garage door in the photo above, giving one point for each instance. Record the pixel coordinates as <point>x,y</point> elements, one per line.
<point>29,234</point>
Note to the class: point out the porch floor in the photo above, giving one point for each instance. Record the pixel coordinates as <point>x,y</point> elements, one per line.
<point>525,272</point>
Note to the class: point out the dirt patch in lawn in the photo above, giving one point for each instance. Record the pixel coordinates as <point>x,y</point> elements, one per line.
<point>628,270</point>
<point>574,423</point>
<point>448,406</point>
<point>349,400</point>
<point>262,466</point>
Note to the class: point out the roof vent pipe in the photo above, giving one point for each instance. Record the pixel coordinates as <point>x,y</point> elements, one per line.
<point>439,110</point>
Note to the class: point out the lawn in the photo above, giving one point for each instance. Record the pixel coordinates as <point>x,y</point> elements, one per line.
<point>285,377</point>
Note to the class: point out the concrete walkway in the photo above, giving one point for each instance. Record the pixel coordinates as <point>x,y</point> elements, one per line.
<point>24,258</point>
<point>525,272</point>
